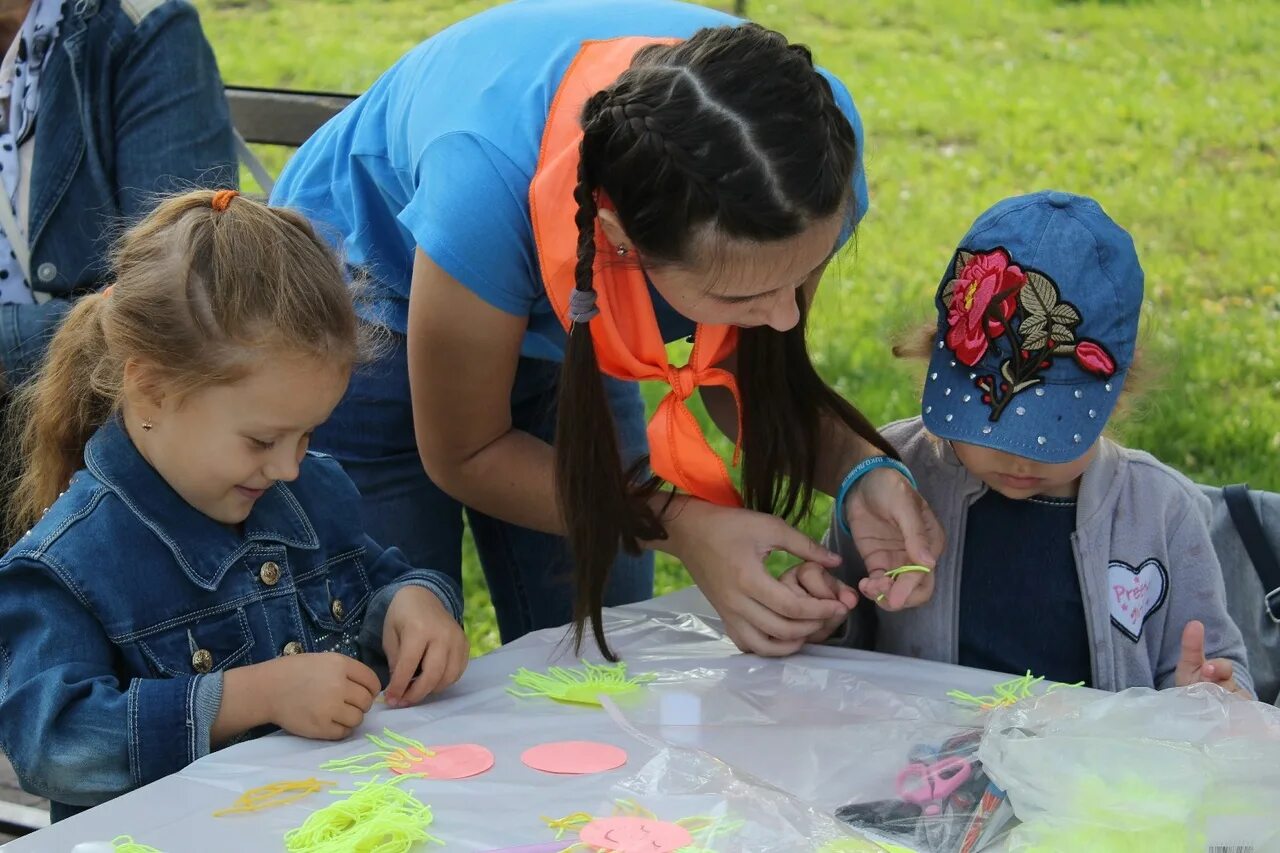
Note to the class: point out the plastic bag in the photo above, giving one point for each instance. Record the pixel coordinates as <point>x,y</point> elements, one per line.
<point>893,766</point>
<point>941,801</point>
<point>1190,769</point>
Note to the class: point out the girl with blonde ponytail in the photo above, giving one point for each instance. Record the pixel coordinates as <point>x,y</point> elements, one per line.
<point>186,573</point>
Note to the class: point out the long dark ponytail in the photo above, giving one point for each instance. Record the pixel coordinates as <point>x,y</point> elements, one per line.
<point>733,130</point>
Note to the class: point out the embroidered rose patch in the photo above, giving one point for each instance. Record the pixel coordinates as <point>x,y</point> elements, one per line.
<point>994,305</point>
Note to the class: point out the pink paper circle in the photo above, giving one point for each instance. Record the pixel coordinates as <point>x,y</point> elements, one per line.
<point>458,761</point>
<point>635,835</point>
<point>574,757</point>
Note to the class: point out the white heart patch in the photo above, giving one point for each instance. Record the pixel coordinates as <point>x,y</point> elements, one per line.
<point>1134,594</point>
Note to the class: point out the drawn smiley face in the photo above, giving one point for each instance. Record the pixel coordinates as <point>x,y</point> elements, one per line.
<point>635,835</point>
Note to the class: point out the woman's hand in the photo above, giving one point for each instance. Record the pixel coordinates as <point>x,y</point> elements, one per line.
<point>724,548</point>
<point>893,527</point>
<point>815,581</point>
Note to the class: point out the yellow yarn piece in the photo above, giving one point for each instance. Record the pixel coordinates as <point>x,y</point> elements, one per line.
<point>397,753</point>
<point>377,817</point>
<point>1007,692</point>
<point>126,844</point>
<point>576,686</point>
<point>702,829</point>
<point>902,570</point>
<point>273,795</point>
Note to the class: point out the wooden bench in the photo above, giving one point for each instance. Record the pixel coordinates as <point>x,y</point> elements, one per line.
<point>277,117</point>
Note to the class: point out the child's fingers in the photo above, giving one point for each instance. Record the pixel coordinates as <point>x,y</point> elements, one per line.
<point>876,587</point>
<point>365,677</point>
<point>358,696</point>
<point>1218,670</point>
<point>411,649</point>
<point>1192,646</point>
<point>816,581</point>
<point>348,716</point>
<point>458,654</point>
<point>434,663</point>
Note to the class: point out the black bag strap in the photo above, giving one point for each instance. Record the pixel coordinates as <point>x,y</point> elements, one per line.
<point>1264,559</point>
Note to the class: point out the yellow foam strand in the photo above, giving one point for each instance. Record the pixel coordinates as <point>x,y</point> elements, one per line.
<point>576,686</point>
<point>407,741</point>
<point>273,795</point>
<point>568,823</point>
<point>126,844</point>
<point>903,570</point>
<point>1007,692</point>
<point>376,817</point>
<point>389,756</point>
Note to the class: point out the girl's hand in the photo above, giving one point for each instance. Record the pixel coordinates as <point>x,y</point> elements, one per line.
<point>320,695</point>
<point>420,638</point>
<point>1193,668</point>
<point>814,581</point>
<point>724,548</point>
<point>892,527</point>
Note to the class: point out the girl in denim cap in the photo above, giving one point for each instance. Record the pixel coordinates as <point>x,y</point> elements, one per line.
<point>1067,554</point>
<point>194,575</point>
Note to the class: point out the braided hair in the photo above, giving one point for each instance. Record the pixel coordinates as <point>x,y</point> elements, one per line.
<point>733,130</point>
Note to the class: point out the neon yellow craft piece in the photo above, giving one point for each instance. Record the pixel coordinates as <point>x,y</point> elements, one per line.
<point>577,686</point>
<point>397,753</point>
<point>905,570</point>
<point>126,844</point>
<point>377,817</point>
<point>273,795</point>
<point>1007,692</point>
<point>704,830</point>
<point>1098,819</point>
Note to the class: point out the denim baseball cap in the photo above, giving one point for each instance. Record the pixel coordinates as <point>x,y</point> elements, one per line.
<point>1037,324</point>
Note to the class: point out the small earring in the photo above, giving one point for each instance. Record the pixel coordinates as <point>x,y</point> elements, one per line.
<point>147,425</point>
<point>622,251</point>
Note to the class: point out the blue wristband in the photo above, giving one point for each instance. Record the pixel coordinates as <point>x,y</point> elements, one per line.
<point>859,471</point>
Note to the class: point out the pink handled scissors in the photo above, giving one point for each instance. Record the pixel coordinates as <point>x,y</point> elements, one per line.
<point>928,785</point>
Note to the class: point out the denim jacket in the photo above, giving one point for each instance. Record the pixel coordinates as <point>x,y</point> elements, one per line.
<point>127,110</point>
<point>123,606</point>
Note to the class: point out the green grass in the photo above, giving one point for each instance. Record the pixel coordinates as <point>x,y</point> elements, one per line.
<point>1167,112</point>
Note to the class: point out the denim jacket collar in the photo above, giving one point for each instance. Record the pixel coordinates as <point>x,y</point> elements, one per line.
<point>205,549</point>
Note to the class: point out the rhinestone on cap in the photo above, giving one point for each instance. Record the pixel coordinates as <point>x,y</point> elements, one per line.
<point>949,417</point>
<point>986,430</point>
<point>1020,411</point>
<point>1076,438</point>
<point>1079,394</point>
<point>1039,392</point>
<point>968,397</point>
<point>946,393</point>
<point>1093,413</point>
<point>1041,440</point>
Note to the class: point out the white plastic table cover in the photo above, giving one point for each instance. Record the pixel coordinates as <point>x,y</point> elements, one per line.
<point>775,746</point>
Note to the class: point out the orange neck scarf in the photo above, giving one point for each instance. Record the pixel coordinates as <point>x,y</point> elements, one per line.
<point>628,342</point>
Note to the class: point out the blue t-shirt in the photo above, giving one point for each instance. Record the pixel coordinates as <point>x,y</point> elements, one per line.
<point>440,151</point>
<point>1020,602</point>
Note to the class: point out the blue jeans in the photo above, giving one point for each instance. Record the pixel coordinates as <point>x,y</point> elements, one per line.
<point>529,573</point>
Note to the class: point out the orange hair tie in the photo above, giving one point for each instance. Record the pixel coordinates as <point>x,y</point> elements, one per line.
<point>222,198</point>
